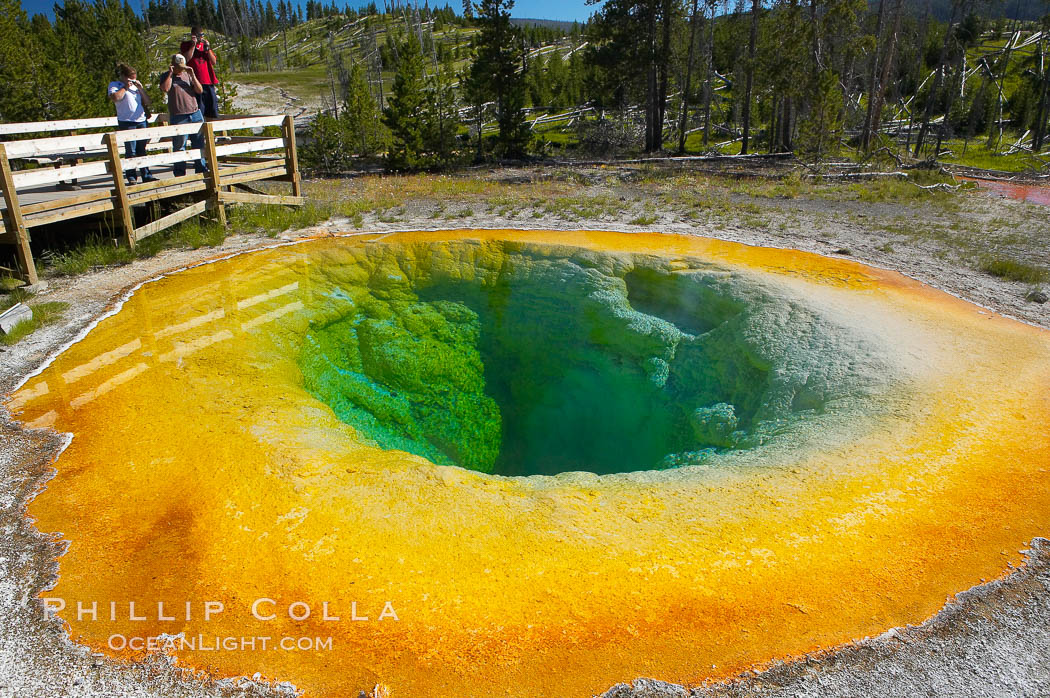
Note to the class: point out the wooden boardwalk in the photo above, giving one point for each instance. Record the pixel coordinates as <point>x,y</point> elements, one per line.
<point>36,196</point>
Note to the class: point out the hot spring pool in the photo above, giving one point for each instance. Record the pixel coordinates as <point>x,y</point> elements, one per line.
<point>532,463</point>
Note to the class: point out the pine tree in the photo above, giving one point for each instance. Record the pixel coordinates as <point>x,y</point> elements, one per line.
<point>473,92</point>
<point>20,65</point>
<point>497,73</point>
<point>819,131</point>
<point>79,30</point>
<point>441,116</point>
<point>404,115</point>
<point>537,83</point>
<point>557,80</point>
<point>631,55</point>
<point>326,150</point>
<point>360,115</point>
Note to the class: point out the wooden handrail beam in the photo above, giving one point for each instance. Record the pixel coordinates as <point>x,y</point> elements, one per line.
<point>13,220</point>
<point>254,175</point>
<point>50,175</point>
<point>164,183</point>
<point>65,202</point>
<point>122,203</point>
<point>237,123</point>
<point>59,215</point>
<point>170,220</point>
<point>213,174</point>
<point>62,125</point>
<point>250,147</point>
<point>291,157</point>
<point>242,197</point>
<point>28,178</point>
<point>253,167</point>
<point>167,192</point>
<point>34,147</point>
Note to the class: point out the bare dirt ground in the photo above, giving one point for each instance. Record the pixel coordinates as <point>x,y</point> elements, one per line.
<point>993,640</point>
<point>269,99</point>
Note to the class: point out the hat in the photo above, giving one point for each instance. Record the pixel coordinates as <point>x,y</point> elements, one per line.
<point>178,59</point>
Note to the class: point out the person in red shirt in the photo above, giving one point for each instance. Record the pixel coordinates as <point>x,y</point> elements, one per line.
<point>201,59</point>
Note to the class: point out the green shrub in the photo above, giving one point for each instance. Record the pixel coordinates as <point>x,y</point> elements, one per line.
<point>1013,270</point>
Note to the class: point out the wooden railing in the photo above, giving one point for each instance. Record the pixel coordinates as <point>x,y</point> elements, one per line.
<point>233,162</point>
<point>63,125</point>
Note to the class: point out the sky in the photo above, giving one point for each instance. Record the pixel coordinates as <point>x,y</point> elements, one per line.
<point>534,9</point>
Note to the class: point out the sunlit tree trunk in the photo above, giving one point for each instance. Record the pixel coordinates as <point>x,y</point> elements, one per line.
<point>1044,100</point>
<point>663,69</point>
<point>750,78</point>
<point>709,74</point>
<point>884,78</point>
<point>683,122</point>
<point>873,79</point>
<point>935,89</point>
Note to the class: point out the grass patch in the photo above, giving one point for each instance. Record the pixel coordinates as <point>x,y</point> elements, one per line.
<point>95,252</point>
<point>901,190</point>
<point>99,252</point>
<point>790,187</point>
<point>271,220</point>
<point>574,208</point>
<point>43,314</point>
<point>1013,270</point>
<point>645,219</point>
<point>18,295</point>
<point>193,234</point>
<point>977,154</point>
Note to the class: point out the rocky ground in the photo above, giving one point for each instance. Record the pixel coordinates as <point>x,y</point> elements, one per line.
<point>270,99</point>
<point>993,640</point>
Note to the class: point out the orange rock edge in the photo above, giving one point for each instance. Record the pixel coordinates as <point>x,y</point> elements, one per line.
<point>201,473</point>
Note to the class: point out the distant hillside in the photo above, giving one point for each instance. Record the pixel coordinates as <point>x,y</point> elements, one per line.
<point>296,71</point>
<point>1024,10</point>
<point>548,23</point>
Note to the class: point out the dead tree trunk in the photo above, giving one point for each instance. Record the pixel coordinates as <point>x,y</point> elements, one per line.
<point>1044,100</point>
<point>1002,81</point>
<point>664,71</point>
<point>873,77</point>
<point>787,125</point>
<point>935,89</point>
<point>918,69</point>
<point>750,79</point>
<point>774,124</point>
<point>683,122</point>
<point>960,70</point>
<point>884,78</point>
<point>650,87</point>
<point>709,71</point>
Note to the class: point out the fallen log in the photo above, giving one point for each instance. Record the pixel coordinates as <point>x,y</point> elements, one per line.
<point>857,175</point>
<point>679,158</point>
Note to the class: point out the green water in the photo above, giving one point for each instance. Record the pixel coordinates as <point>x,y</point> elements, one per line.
<point>533,361</point>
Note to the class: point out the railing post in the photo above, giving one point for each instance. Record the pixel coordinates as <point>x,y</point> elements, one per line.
<point>122,204</point>
<point>291,158</point>
<point>214,187</point>
<point>13,219</point>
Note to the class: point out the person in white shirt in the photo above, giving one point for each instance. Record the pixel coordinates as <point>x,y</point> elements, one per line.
<point>132,105</point>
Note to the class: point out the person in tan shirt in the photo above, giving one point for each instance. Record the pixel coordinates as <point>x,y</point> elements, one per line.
<point>182,87</point>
